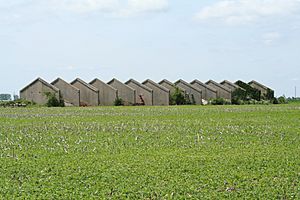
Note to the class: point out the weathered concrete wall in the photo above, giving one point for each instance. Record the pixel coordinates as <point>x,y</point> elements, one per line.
<point>36,91</point>
<point>207,91</point>
<point>171,86</point>
<point>230,85</point>
<point>222,92</point>
<point>89,95</point>
<point>107,94</point>
<point>263,89</point>
<point>126,93</point>
<point>68,92</point>
<point>193,92</point>
<point>141,91</point>
<point>161,95</point>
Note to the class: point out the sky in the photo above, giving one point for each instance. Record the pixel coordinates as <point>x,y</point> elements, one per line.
<point>156,39</point>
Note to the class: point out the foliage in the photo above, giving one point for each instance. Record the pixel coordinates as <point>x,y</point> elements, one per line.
<point>219,101</point>
<point>183,152</point>
<point>119,102</point>
<point>238,95</point>
<point>16,103</point>
<point>251,93</point>
<point>178,98</point>
<point>293,100</point>
<point>53,101</point>
<point>282,100</point>
<point>5,97</point>
<point>269,95</point>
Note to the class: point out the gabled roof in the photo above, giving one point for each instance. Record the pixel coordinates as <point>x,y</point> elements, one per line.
<point>219,85</point>
<point>42,81</point>
<point>96,79</point>
<point>172,84</point>
<point>166,81</point>
<point>259,84</point>
<point>188,85</point>
<point>156,84</point>
<point>204,85</point>
<point>59,79</point>
<point>232,84</point>
<point>138,84</point>
<point>85,84</point>
<point>116,80</point>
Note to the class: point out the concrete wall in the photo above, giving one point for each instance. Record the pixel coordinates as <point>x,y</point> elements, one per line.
<point>192,91</point>
<point>126,93</point>
<point>141,90</point>
<point>222,92</point>
<point>161,95</point>
<point>263,90</point>
<point>88,94</point>
<point>230,85</point>
<point>207,92</point>
<point>69,93</point>
<point>171,86</point>
<point>107,94</point>
<point>36,90</point>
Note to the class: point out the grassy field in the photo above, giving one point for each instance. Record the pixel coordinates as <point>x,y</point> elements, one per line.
<point>188,152</point>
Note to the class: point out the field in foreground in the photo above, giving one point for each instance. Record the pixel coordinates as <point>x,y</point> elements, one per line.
<point>150,152</point>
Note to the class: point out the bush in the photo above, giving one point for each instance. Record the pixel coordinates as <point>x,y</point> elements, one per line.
<point>53,101</point>
<point>177,98</point>
<point>220,101</point>
<point>269,95</point>
<point>118,102</point>
<point>282,100</point>
<point>251,93</point>
<point>16,103</point>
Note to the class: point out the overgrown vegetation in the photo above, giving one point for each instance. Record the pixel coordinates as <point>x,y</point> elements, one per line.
<point>250,93</point>
<point>183,152</point>
<point>177,97</point>
<point>53,101</point>
<point>269,95</point>
<point>16,103</point>
<point>119,102</point>
<point>181,98</point>
<point>219,101</point>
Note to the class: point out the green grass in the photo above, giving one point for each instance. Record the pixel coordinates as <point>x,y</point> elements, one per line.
<point>188,152</point>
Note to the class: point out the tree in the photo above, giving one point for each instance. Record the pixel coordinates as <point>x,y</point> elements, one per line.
<point>5,97</point>
<point>53,101</point>
<point>177,98</point>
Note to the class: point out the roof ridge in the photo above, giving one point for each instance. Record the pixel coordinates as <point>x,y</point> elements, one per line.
<point>53,82</point>
<point>232,84</point>
<point>189,85</point>
<point>139,84</point>
<point>43,81</point>
<point>86,84</point>
<point>260,84</point>
<point>114,79</point>
<point>96,79</point>
<point>218,84</point>
<point>204,85</point>
<point>156,84</point>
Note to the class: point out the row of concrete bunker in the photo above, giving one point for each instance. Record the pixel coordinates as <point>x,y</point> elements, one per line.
<point>132,92</point>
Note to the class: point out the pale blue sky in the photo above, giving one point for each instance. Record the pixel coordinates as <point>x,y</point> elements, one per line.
<point>156,39</point>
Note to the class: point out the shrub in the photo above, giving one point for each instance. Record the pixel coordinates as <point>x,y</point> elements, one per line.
<point>269,95</point>
<point>274,101</point>
<point>118,102</point>
<point>282,100</point>
<point>220,101</point>
<point>177,98</point>
<point>251,93</point>
<point>17,103</point>
<point>53,101</point>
